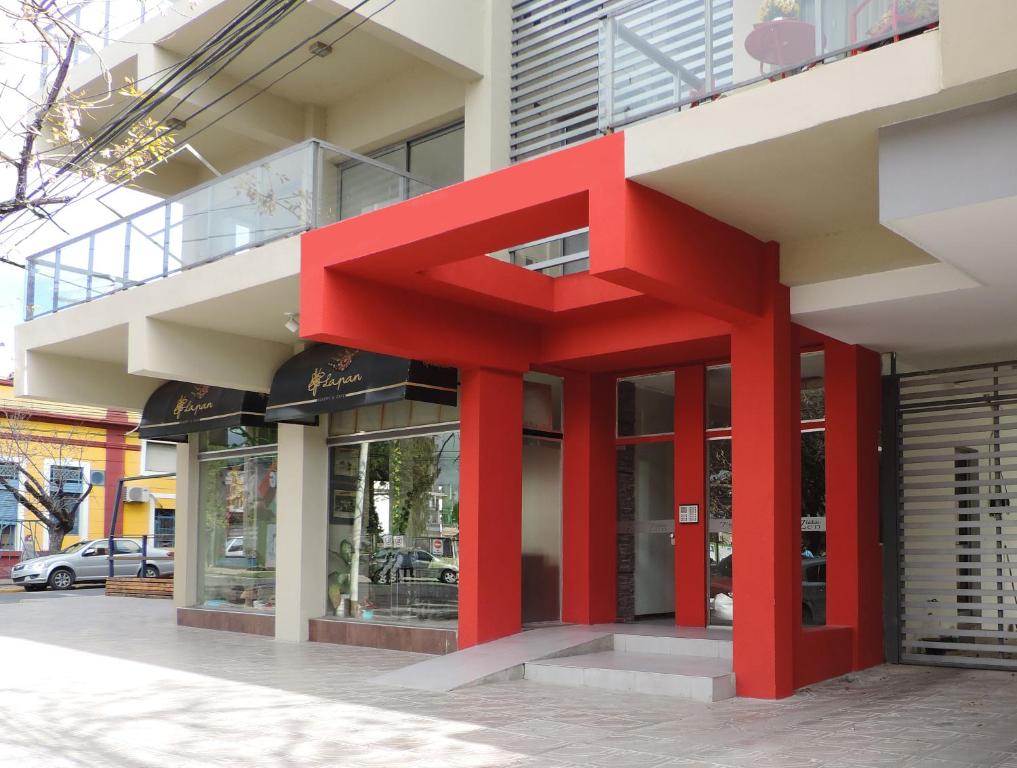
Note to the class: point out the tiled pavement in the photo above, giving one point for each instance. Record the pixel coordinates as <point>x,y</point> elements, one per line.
<point>94,681</point>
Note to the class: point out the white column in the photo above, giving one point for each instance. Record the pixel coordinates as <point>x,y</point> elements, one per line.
<point>186,558</point>
<point>302,529</point>
<point>486,135</point>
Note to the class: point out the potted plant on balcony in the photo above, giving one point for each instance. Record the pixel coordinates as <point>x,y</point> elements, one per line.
<point>904,16</point>
<point>779,10</point>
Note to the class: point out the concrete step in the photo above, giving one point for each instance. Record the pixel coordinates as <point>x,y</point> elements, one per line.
<point>673,646</point>
<point>698,678</point>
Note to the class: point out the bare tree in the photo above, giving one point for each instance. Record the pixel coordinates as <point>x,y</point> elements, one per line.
<point>45,152</point>
<point>37,451</point>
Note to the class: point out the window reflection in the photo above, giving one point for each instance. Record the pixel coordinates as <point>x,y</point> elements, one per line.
<point>393,541</point>
<point>646,405</point>
<point>238,532</point>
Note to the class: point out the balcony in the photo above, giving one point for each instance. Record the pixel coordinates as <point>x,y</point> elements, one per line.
<point>306,186</point>
<point>662,55</point>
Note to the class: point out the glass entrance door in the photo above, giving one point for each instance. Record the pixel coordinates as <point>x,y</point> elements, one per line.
<point>645,473</point>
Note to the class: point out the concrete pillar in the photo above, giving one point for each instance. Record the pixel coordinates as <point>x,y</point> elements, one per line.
<point>302,529</point>
<point>490,505</point>
<point>487,107</point>
<point>186,558</point>
<point>853,570</point>
<point>589,517</point>
<point>766,522</point>
<point>690,566</point>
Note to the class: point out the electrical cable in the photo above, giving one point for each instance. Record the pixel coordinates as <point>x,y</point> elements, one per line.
<point>140,146</point>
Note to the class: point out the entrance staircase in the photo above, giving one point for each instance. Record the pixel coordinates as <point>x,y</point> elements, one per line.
<point>687,668</point>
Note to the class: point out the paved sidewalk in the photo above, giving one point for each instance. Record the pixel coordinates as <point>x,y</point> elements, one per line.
<point>94,680</point>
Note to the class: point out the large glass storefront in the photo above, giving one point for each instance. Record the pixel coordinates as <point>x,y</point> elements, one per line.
<point>237,510</point>
<point>813,492</point>
<point>393,535</point>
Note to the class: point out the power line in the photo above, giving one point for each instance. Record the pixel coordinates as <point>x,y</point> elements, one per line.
<point>140,146</point>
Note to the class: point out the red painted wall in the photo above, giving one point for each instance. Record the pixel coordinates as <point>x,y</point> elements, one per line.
<point>490,505</point>
<point>690,565</point>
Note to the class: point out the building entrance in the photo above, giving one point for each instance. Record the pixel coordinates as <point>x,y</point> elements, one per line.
<point>645,466</point>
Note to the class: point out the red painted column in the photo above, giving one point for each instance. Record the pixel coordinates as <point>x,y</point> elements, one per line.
<point>690,488</point>
<point>589,518</point>
<point>765,520</point>
<point>116,442</point>
<point>854,578</point>
<point>490,505</point>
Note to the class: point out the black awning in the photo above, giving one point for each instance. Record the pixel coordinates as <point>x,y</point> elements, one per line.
<point>178,408</point>
<point>326,379</point>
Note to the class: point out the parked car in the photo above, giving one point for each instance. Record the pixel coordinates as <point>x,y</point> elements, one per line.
<point>425,566</point>
<point>87,561</point>
<point>235,547</point>
<point>813,590</point>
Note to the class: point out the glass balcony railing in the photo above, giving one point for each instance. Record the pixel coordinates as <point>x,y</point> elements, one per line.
<point>303,187</point>
<point>661,55</point>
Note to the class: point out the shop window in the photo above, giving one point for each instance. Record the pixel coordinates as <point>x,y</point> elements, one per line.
<point>718,397</point>
<point>237,437</point>
<point>646,405</point>
<point>237,511</point>
<point>720,543</point>
<point>813,393</point>
<point>393,540</point>
<point>813,534</point>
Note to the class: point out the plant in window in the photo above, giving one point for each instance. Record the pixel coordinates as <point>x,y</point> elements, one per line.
<point>771,10</point>
<point>905,15</point>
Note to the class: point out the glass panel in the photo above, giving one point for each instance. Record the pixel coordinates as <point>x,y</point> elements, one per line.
<point>542,395</point>
<point>646,405</point>
<point>396,415</point>
<point>645,560</point>
<point>237,510</point>
<point>73,273</point>
<point>438,160</point>
<point>41,278</point>
<point>364,188</point>
<point>237,437</point>
<point>720,546</point>
<point>108,260</point>
<point>685,55</point>
<point>393,542</point>
<point>813,389</point>
<point>147,246</point>
<point>541,530</point>
<point>718,397</point>
<point>814,528</point>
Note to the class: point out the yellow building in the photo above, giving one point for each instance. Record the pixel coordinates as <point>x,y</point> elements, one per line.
<point>66,447</point>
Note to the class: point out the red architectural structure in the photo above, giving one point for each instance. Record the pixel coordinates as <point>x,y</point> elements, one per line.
<point>668,288</point>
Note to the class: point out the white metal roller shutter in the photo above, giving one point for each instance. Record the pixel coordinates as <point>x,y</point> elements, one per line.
<point>957,524</point>
<point>556,63</point>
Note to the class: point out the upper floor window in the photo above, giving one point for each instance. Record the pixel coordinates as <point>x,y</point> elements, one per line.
<point>66,484</point>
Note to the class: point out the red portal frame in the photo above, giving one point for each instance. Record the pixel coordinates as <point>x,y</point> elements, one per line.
<point>667,287</point>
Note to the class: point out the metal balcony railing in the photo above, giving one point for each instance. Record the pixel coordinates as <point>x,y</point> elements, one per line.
<point>660,55</point>
<point>306,186</point>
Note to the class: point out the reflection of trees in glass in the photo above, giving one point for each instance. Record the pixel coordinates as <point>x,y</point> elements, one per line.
<point>813,398</point>
<point>415,464</point>
<point>813,474</point>
<point>719,469</point>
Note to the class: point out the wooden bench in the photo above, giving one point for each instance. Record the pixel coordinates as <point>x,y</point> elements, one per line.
<point>137,586</point>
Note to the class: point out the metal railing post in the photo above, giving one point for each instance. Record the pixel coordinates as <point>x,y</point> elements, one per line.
<point>610,31</point>
<point>708,46</point>
<point>144,552</point>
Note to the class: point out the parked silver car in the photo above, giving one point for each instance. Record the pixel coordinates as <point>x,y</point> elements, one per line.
<point>87,561</point>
